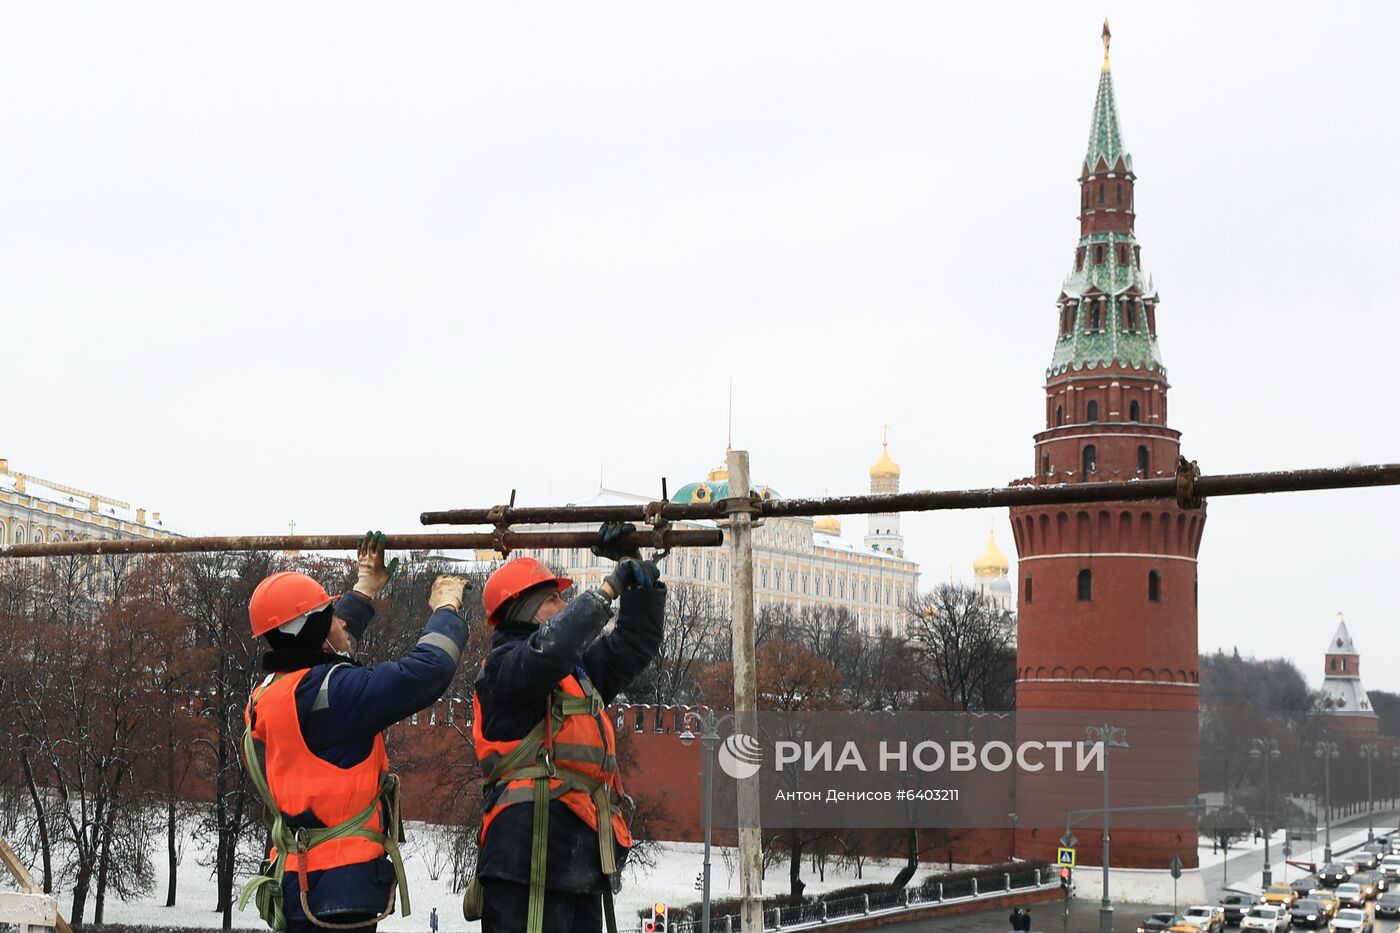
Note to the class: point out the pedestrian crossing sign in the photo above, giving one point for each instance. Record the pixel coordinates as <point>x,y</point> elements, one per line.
<point>1065,857</point>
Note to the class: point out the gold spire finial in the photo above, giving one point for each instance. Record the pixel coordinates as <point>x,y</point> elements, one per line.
<point>885,434</point>
<point>1107,38</point>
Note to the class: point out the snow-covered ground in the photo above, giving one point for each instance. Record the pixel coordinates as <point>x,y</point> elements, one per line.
<point>672,880</point>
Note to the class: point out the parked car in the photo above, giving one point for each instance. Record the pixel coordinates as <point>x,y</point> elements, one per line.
<point>1268,919</point>
<point>1280,895</point>
<point>1388,905</point>
<point>1159,923</point>
<point>1308,912</point>
<point>1304,886</point>
<point>1351,895</point>
<point>1237,906</point>
<point>1206,918</point>
<point>1351,921</point>
<point>1333,874</point>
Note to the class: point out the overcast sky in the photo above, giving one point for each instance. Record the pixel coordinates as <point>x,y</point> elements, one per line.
<point>341,263</point>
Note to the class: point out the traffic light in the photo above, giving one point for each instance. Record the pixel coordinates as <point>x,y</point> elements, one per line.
<point>649,925</point>
<point>1065,876</point>
<point>658,914</point>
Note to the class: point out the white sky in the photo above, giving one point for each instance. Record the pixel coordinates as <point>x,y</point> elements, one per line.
<point>341,263</point>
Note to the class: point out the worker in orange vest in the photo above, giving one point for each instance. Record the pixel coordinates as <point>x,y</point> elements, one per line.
<point>331,804</point>
<point>553,839</point>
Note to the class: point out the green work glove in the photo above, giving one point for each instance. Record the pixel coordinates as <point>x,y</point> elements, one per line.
<point>373,576</point>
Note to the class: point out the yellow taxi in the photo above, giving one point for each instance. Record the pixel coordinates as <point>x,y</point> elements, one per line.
<point>1328,899</point>
<point>1280,895</point>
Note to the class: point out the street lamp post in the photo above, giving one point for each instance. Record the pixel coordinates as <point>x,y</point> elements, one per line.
<point>1370,753</point>
<point>1264,750</point>
<point>1110,737</point>
<point>1327,751</point>
<point>709,724</point>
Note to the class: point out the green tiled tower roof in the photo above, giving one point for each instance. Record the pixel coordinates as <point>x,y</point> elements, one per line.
<point>1100,277</point>
<point>1105,139</point>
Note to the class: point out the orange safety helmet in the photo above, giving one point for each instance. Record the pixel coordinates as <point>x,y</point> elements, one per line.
<point>283,597</point>
<point>513,579</point>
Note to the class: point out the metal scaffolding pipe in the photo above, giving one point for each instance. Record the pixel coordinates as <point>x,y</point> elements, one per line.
<point>510,540</point>
<point>1228,484</point>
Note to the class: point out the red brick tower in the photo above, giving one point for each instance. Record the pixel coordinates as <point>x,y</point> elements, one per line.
<point>1107,604</point>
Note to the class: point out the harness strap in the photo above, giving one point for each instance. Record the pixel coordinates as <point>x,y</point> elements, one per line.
<point>267,885</point>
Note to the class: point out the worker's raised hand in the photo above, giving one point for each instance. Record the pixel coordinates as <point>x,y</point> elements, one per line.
<point>448,592</point>
<point>373,575</point>
<point>631,574</point>
<point>609,535</point>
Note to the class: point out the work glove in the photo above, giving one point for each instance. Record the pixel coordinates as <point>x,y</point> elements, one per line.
<point>608,536</point>
<point>448,592</point>
<point>373,575</point>
<point>630,574</point>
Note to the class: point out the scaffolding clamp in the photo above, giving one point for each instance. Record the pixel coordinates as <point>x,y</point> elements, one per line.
<point>1187,472</point>
<point>499,517</point>
<point>654,517</point>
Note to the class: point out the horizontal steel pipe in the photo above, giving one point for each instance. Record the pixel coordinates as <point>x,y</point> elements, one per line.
<point>1231,484</point>
<point>514,540</point>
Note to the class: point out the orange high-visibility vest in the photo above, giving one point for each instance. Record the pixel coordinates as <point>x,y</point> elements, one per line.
<point>584,743</point>
<point>300,782</point>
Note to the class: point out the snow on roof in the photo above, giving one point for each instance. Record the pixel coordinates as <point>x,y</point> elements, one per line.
<point>79,501</point>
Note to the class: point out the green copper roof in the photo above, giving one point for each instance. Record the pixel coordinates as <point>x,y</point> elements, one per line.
<point>1105,140</point>
<point>710,490</point>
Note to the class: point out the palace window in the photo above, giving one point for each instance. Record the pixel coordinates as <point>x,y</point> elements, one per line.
<point>1091,459</point>
<point>1154,586</point>
<point>1093,412</point>
<point>1086,586</point>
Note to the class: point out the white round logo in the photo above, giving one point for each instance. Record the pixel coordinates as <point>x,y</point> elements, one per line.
<point>740,756</point>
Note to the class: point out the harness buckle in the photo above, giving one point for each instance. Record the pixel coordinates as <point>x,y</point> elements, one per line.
<point>549,769</point>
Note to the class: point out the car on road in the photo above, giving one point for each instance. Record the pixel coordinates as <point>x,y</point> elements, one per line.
<point>1368,856</point>
<point>1328,900</point>
<point>1160,923</point>
<point>1280,895</point>
<point>1333,874</point>
<point>1390,866</point>
<point>1267,918</point>
<point>1388,905</point>
<point>1372,883</point>
<point>1206,918</point>
<point>1237,906</point>
<point>1304,886</point>
<point>1351,921</point>
<point>1309,912</point>
<point>1351,895</point>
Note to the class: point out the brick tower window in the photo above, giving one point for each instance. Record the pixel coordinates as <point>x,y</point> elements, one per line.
<point>1059,414</point>
<point>1134,411</point>
<point>1093,412</point>
<point>1142,455</point>
<point>1027,588</point>
<point>1086,586</point>
<point>1079,259</point>
<point>1098,254</point>
<point>1095,315</point>
<point>1122,254</point>
<point>1091,459</point>
<point>1101,190</point>
<point>1154,586</point>
<point>1118,193</point>
<point>1044,468</point>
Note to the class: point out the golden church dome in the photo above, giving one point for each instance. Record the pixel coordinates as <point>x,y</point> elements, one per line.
<point>884,466</point>
<point>992,562</point>
<point>828,525</point>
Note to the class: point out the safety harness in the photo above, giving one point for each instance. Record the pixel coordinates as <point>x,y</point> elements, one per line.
<point>533,760</point>
<point>267,885</point>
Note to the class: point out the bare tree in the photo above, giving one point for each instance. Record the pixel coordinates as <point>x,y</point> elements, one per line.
<point>963,647</point>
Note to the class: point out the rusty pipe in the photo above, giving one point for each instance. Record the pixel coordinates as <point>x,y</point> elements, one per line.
<point>512,540</point>
<point>1229,484</point>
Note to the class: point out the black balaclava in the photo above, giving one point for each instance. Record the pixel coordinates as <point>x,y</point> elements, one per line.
<point>304,649</point>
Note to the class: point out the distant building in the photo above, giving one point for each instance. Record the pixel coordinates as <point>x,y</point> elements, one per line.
<point>1344,701</point>
<point>37,511</point>
<point>990,576</point>
<point>798,562</point>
